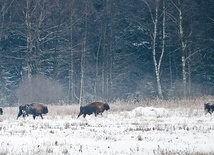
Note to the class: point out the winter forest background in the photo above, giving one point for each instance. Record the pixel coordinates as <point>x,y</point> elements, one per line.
<point>78,51</point>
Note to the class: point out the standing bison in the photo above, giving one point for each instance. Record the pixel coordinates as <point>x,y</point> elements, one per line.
<point>1,111</point>
<point>209,107</point>
<point>35,109</point>
<point>95,107</point>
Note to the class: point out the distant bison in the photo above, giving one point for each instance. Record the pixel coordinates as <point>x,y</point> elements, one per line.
<point>95,107</point>
<point>1,111</point>
<point>36,109</point>
<point>209,107</point>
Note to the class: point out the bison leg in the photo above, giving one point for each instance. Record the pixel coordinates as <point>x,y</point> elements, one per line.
<point>95,113</point>
<point>41,116</point>
<point>19,114</point>
<point>34,116</point>
<point>84,115</point>
<point>24,113</point>
<point>79,115</point>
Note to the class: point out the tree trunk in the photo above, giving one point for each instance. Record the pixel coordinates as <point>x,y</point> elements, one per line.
<point>97,68</point>
<point>71,88</point>
<point>157,64</point>
<point>29,47</point>
<point>29,39</point>
<point>111,53</point>
<point>104,61</point>
<point>154,42</point>
<point>82,71</point>
<point>83,57</point>
<point>189,74</point>
<point>163,46</point>
<point>183,48</point>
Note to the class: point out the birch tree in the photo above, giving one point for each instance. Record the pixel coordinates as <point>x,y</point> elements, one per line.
<point>29,39</point>
<point>71,87</point>
<point>83,51</point>
<point>157,61</point>
<point>178,6</point>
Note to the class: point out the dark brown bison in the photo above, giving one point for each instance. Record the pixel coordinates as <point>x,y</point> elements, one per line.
<point>35,109</point>
<point>23,110</point>
<point>1,111</point>
<point>209,107</point>
<point>95,107</point>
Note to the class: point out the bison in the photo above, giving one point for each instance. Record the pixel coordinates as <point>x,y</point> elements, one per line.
<point>209,107</point>
<point>23,110</point>
<point>95,107</point>
<point>1,111</point>
<point>36,109</point>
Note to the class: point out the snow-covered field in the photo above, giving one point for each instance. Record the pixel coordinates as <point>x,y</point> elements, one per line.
<point>142,130</point>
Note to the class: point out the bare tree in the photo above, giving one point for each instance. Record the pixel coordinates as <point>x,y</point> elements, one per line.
<point>83,49</point>
<point>71,87</point>
<point>178,6</point>
<point>29,47</point>
<point>29,39</point>
<point>157,61</point>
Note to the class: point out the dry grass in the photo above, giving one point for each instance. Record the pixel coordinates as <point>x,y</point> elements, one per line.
<point>119,105</point>
<point>63,110</point>
<point>197,103</point>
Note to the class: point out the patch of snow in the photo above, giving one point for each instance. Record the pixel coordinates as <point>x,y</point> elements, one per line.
<point>144,130</point>
<point>149,111</point>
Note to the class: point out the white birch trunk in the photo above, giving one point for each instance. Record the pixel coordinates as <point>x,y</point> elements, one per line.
<point>82,72</point>
<point>183,47</point>
<point>71,90</point>
<point>83,57</point>
<point>29,39</point>
<point>29,48</point>
<point>157,64</point>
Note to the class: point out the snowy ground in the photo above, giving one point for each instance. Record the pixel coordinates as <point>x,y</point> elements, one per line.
<point>143,130</point>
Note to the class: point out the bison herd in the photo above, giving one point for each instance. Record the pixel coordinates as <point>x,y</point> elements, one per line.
<point>38,109</point>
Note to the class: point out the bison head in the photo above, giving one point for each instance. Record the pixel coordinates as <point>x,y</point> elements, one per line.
<point>106,106</point>
<point>1,111</point>
<point>45,110</point>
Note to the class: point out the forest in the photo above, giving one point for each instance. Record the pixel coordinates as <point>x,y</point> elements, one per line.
<point>78,51</point>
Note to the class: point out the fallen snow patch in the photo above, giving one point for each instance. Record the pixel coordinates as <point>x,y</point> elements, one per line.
<point>149,111</point>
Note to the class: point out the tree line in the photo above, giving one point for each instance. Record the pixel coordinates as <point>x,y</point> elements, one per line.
<point>79,51</point>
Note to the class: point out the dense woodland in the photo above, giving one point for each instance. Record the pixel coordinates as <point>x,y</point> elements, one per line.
<point>78,51</point>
